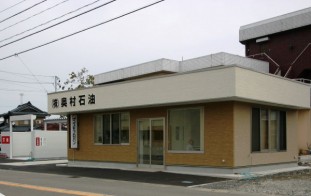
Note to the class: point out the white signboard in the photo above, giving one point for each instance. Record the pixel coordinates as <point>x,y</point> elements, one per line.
<point>73,131</point>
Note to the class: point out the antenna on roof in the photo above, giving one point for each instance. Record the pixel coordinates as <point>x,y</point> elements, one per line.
<point>21,94</point>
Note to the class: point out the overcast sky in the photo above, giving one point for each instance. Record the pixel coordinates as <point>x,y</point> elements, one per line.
<point>172,29</point>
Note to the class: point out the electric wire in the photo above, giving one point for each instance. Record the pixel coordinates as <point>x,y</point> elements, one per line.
<point>30,72</point>
<point>1,21</point>
<point>49,21</point>
<point>56,24</point>
<point>41,12</point>
<point>21,90</point>
<point>22,74</point>
<point>31,86</point>
<point>12,6</point>
<point>77,32</point>
<point>2,106</point>
<point>24,82</point>
<point>29,77</point>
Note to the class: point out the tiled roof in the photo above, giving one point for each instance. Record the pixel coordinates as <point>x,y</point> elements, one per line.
<point>26,108</point>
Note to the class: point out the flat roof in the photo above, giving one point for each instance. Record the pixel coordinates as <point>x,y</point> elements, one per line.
<point>277,24</point>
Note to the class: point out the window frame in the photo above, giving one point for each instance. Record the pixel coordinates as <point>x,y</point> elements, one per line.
<point>280,147</point>
<point>202,132</point>
<point>120,119</point>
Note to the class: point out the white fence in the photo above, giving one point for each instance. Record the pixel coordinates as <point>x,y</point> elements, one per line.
<point>37,144</point>
<point>22,144</point>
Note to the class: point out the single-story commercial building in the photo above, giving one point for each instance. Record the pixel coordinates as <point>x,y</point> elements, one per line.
<point>217,113</point>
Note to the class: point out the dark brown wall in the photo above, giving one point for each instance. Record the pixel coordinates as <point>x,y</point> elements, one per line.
<point>284,48</point>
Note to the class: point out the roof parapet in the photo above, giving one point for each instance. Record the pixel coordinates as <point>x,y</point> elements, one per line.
<point>274,25</point>
<point>172,66</point>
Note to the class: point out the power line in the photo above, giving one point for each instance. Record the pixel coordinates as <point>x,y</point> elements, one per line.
<point>12,6</point>
<point>33,15</point>
<point>32,87</point>
<point>7,106</point>
<point>22,11</point>
<point>77,32</point>
<point>31,72</point>
<point>22,74</point>
<point>21,90</point>
<point>23,82</point>
<point>52,25</point>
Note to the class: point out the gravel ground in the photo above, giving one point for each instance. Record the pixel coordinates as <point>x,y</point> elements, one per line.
<point>289,183</point>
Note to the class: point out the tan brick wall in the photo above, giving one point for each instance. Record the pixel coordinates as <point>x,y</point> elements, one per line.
<point>88,151</point>
<point>218,138</point>
<point>218,142</point>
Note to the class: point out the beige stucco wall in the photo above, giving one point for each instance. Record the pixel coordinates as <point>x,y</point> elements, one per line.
<point>217,84</point>
<point>279,91</point>
<point>242,139</point>
<point>304,129</point>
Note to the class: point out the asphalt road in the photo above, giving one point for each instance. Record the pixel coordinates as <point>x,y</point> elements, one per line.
<point>55,180</point>
<point>116,174</point>
<point>30,183</point>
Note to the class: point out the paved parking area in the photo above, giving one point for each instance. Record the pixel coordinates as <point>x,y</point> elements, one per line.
<point>156,177</point>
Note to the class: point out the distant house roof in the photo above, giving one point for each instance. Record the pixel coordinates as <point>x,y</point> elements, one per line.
<point>277,24</point>
<point>56,120</point>
<point>6,128</point>
<point>24,109</point>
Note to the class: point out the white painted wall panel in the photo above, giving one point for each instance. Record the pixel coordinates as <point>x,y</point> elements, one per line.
<point>53,144</point>
<point>22,144</point>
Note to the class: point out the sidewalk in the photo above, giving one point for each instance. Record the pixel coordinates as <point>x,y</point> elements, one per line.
<point>25,162</point>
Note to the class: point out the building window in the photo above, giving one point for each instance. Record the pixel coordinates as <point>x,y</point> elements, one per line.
<point>185,129</point>
<point>112,128</point>
<point>268,130</point>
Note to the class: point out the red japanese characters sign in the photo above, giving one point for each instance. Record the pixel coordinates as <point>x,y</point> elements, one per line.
<point>38,141</point>
<point>5,139</point>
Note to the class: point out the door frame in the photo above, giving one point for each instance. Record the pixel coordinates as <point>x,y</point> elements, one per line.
<point>138,142</point>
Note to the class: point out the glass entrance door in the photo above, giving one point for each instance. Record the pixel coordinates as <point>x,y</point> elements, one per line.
<point>150,141</point>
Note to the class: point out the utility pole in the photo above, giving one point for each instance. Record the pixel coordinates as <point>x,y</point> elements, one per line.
<point>56,82</point>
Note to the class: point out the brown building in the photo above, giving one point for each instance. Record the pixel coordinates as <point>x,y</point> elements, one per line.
<point>218,113</point>
<point>283,41</point>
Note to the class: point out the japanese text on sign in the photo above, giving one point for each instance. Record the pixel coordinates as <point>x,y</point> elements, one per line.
<point>73,131</point>
<point>5,139</point>
<point>73,101</point>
